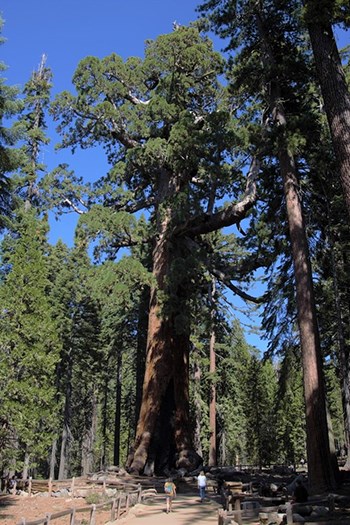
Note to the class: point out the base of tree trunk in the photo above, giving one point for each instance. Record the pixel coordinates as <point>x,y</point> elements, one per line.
<point>188,460</point>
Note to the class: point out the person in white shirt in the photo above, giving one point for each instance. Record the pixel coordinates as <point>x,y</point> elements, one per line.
<point>202,483</point>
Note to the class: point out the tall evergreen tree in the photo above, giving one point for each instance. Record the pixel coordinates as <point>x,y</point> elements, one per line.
<point>32,122</point>
<point>163,123</point>
<point>319,17</point>
<point>272,48</point>
<point>29,349</point>
<point>10,157</point>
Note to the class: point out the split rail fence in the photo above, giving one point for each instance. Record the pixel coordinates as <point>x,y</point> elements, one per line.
<point>128,495</point>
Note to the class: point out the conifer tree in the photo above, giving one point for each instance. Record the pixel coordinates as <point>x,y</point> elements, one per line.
<point>29,349</point>
<point>10,157</point>
<point>290,413</point>
<point>319,17</point>
<point>163,123</point>
<point>272,66</point>
<point>32,123</point>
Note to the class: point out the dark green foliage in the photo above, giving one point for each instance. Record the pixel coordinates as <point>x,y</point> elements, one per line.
<point>29,349</point>
<point>290,412</point>
<point>10,157</point>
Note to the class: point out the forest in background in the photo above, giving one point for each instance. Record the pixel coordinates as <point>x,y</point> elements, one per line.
<point>120,350</point>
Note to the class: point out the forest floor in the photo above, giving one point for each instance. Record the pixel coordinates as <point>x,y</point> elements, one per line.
<point>187,508</point>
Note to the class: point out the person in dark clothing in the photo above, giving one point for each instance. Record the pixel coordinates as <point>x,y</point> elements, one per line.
<point>300,493</point>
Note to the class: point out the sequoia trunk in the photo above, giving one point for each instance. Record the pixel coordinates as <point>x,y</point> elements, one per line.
<point>335,92</point>
<point>162,435</point>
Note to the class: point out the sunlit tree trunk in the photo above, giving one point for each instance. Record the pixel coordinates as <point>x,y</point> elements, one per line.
<point>53,459</point>
<point>166,381</point>
<point>335,91</point>
<point>320,466</point>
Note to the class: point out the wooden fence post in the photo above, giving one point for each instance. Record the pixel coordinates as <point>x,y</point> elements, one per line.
<point>50,486</point>
<point>104,485</point>
<point>72,487</point>
<point>119,505</point>
<point>139,493</point>
<point>72,517</point>
<point>48,519</point>
<point>23,521</point>
<point>113,509</point>
<point>289,513</point>
<point>221,517</point>
<point>93,515</point>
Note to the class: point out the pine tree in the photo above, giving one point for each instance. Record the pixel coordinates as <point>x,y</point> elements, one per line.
<point>10,157</point>
<point>29,349</point>
<point>32,122</point>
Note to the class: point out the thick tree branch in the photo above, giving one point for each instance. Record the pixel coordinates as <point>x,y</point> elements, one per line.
<point>233,214</point>
<point>226,281</point>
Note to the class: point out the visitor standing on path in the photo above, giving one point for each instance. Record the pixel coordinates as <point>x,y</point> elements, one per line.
<point>170,493</point>
<point>202,483</point>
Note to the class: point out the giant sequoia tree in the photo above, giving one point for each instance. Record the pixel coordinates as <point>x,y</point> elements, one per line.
<point>168,134</point>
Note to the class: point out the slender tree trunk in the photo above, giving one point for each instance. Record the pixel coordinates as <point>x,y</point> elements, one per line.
<point>320,465</point>
<point>343,355</point>
<point>320,469</point>
<point>197,374</point>
<point>103,461</point>
<point>66,434</point>
<point>334,89</point>
<point>53,459</point>
<point>87,449</point>
<point>25,466</point>
<point>212,369</point>
<point>118,402</point>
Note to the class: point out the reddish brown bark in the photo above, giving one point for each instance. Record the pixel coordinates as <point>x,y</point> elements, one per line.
<point>321,471</point>
<point>335,92</point>
<point>166,375</point>
<point>212,405</point>
<point>166,371</point>
<point>164,415</point>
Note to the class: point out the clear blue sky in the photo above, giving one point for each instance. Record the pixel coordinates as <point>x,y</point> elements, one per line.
<point>67,31</point>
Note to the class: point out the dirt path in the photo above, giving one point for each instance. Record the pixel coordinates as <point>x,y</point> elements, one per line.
<point>187,510</point>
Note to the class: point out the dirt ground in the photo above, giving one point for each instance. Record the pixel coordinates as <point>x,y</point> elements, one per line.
<point>14,508</point>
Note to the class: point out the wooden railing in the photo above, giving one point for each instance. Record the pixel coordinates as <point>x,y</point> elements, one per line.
<point>118,506</point>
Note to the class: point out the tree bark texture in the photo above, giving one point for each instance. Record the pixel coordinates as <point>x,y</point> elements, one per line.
<point>320,466</point>
<point>320,469</point>
<point>118,402</point>
<point>165,396</point>
<point>197,375</point>
<point>336,96</point>
<point>53,459</point>
<point>87,456</point>
<point>66,433</point>
<point>212,406</point>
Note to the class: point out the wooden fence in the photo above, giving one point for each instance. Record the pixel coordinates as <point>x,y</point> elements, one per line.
<point>118,506</point>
